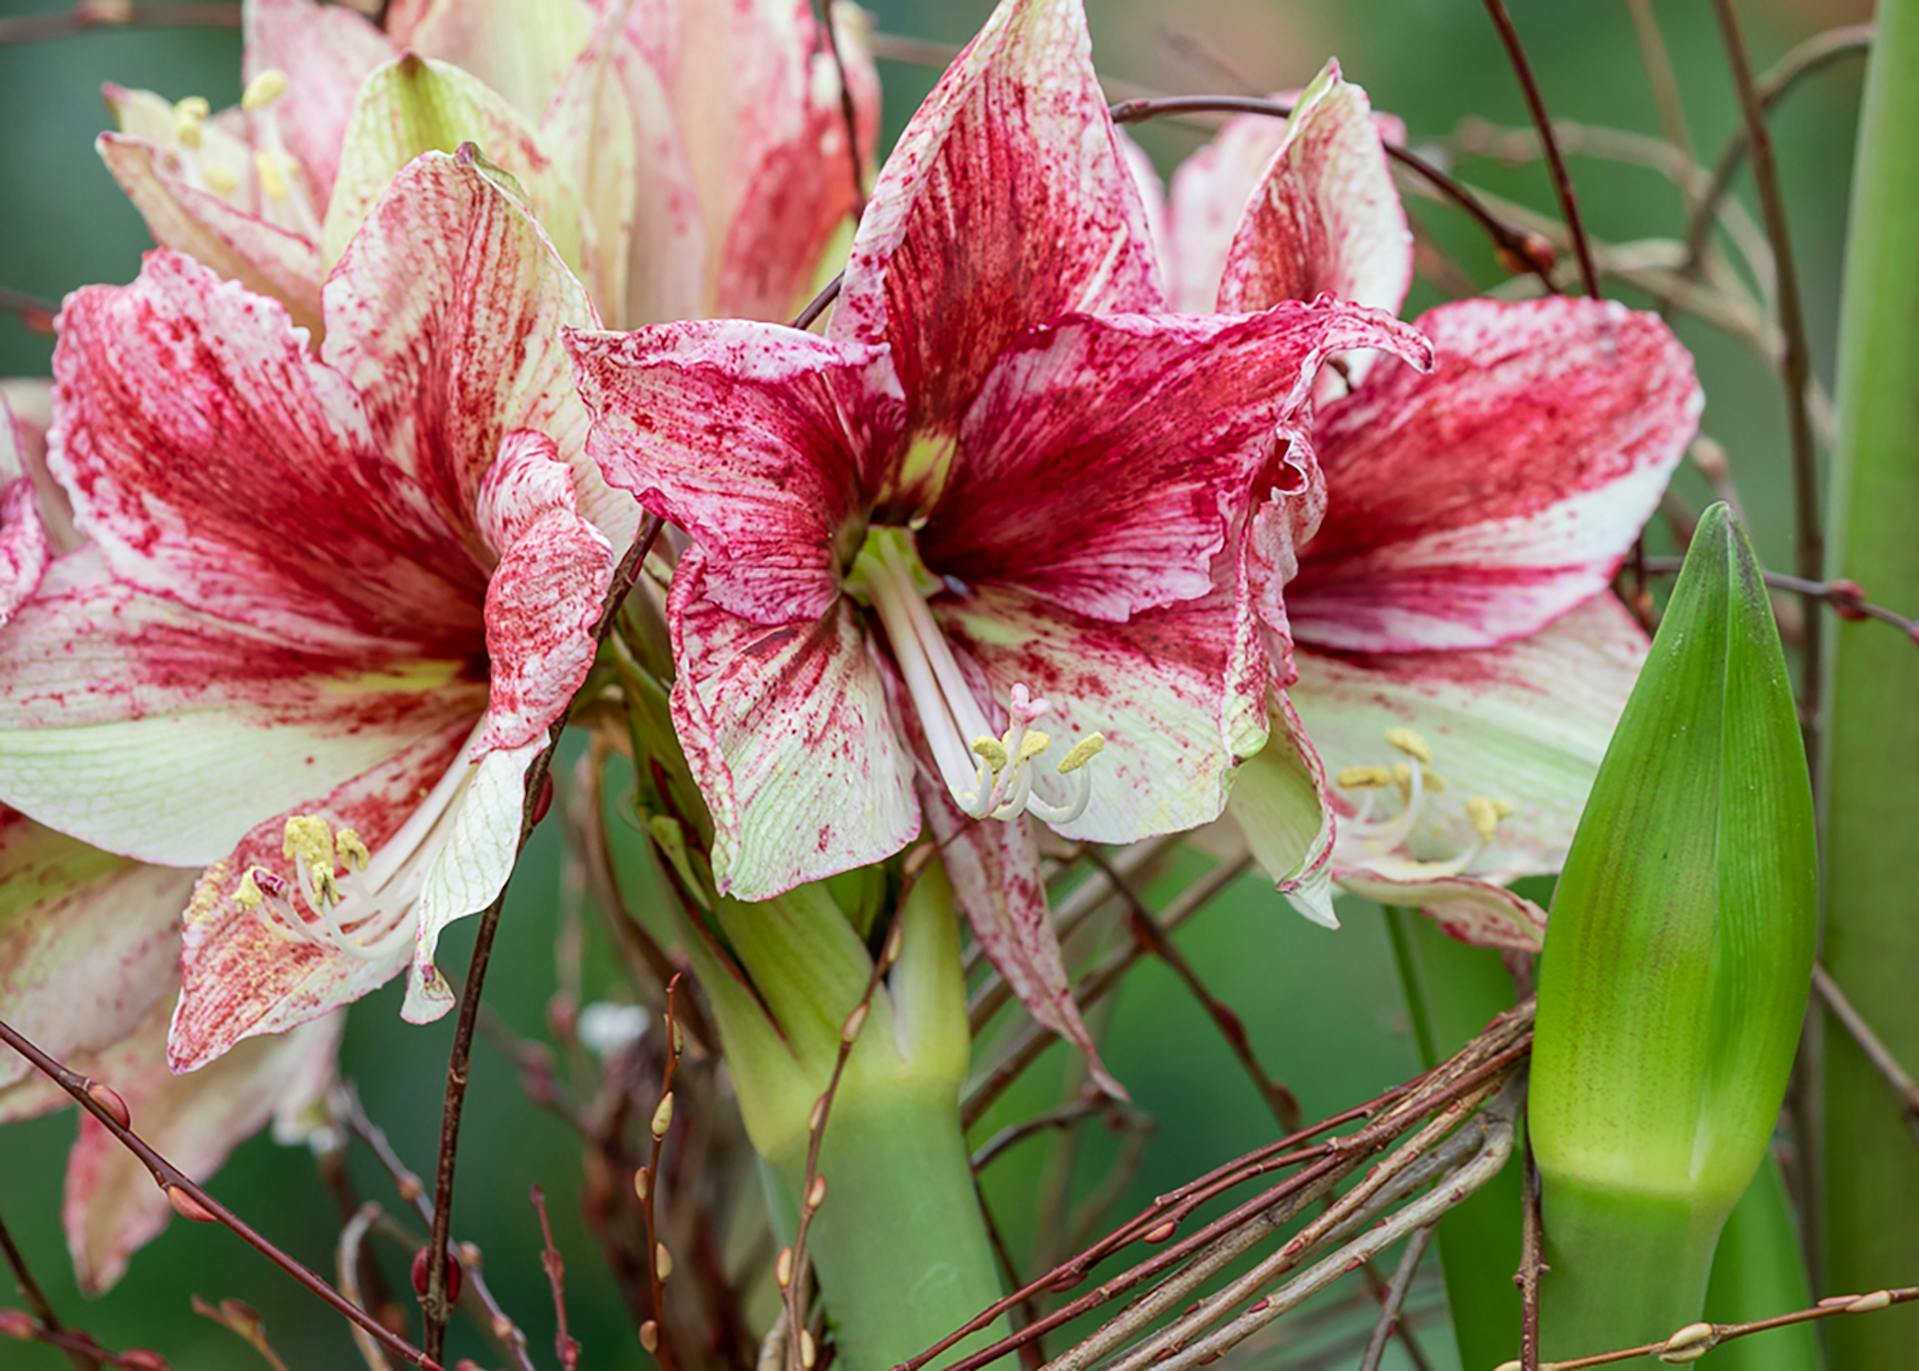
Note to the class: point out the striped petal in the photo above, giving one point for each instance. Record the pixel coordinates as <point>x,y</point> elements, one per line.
<point>1006,203</point>
<point>787,732</point>
<point>1478,503</point>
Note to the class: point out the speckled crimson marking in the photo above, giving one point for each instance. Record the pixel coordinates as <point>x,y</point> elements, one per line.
<point>1480,502</point>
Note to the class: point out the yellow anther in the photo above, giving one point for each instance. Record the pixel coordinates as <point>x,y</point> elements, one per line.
<point>1032,745</point>
<point>263,90</point>
<point>992,752</point>
<point>188,117</point>
<point>1082,752</point>
<point>221,181</point>
<point>1485,815</point>
<point>247,894</point>
<point>1503,808</point>
<point>1410,743</point>
<point>352,850</point>
<point>1364,778</point>
<point>1429,779</point>
<point>309,841</point>
<point>272,172</point>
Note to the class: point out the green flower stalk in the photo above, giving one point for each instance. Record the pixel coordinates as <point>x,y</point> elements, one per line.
<point>1677,965</point>
<point>1871,1168</point>
<point>899,1242</point>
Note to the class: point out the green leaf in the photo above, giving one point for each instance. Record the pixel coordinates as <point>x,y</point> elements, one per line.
<point>1677,963</point>
<point>1872,729</point>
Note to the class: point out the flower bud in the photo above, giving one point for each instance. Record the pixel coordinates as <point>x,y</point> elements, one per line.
<point>421,1275</point>
<point>1677,963</point>
<point>17,1323</point>
<point>109,1099</point>
<point>187,1206</point>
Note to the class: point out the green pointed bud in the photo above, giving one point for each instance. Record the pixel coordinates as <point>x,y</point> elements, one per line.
<point>1677,964</point>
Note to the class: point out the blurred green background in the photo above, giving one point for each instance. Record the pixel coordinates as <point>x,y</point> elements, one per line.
<point>1323,1009</point>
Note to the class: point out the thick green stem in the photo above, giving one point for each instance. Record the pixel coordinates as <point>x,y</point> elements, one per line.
<point>1871,1168</point>
<point>1757,1272</point>
<point>900,1245</point>
<point>1451,991</point>
<point>1624,1267</point>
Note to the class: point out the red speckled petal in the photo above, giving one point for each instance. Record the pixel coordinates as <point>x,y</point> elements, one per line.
<point>1525,722</point>
<point>263,257</point>
<point>162,733</point>
<point>998,886</point>
<point>89,942</point>
<point>1479,503</point>
<point>780,193</point>
<point>446,315</point>
<point>1325,216</point>
<point>789,737</point>
<point>217,462</point>
<point>1471,910</point>
<point>1212,194</point>
<point>242,977</point>
<point>546,594</point>
<point>1107,461</point>
<point>326,51</point>
<point>751,437</point>
<point>1006,203</point>
<point>23,548</point>
<point>1179,693</point>
<point>112,1206</point>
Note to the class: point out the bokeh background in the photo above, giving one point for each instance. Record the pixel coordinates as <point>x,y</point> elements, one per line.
<point>1323,1009</point>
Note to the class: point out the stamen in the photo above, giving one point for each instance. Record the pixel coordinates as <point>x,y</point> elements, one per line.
<point>1378,843</point>
<point>221,180</point>
<point>316,851</point>
<point>988,776</point>
<point>271,168</point>
<point>263,90</point>
<point>189,119</point>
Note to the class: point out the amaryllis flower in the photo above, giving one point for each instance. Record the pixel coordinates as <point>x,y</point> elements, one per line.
<point>90,967</point>
<point>332,604</point>
<point>1001,521</point>
<point>681,158</point>
<point>1460,662</point>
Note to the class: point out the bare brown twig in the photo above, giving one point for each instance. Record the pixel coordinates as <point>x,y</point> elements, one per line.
<point>36,1298</point>
<point>1532,1264</point>
<point>1897,1078</point>
<point>1696,1339</point>
<point>565,1348</point>
<point>653,1334</point>
<point>193,1201</point>
<point>1562,178</point>
<point>459,1064</point>
<point>1390,1311</point>
<point>1809,542</point>
<point>823,16</point>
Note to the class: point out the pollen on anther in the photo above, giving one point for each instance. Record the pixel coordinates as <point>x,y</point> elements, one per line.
<point>992,752</point>
<point>1485,814</point>
<point>1364,778</point>
<point>1410,743</point>
<point>247,894</point>
<point>353,851</point>
<point>263,90</point>
<point>220,180</point>
<point>1082,752</point>
<point>1032,745</point>
<point>272,173</point>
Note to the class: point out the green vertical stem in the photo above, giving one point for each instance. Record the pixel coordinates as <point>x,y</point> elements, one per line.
<point>1871,1169</point>
<point>1758,1272</point>
<point>1451,991</point>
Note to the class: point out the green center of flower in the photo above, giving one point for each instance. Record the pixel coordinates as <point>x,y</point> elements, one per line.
<point>989,775</point>
<point>1364,840</point>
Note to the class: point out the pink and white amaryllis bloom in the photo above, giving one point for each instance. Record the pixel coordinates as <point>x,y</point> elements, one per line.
<point>683,160</point>
<point>1003,519</point>
<point>332,606</point>
<point>1460,660</point>
<point>90,965</point>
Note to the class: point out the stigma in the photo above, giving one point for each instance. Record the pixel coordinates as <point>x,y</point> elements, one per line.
<point>315,905</point>
<point>989,775</point>
<point>1369,838</point>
